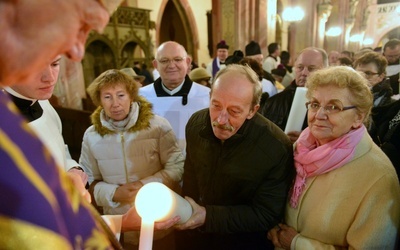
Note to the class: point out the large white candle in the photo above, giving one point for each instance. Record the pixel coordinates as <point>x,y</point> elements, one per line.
<point>156,202</point>
<point>297,111</point>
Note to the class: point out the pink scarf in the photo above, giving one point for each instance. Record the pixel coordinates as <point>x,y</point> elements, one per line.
<point>311,159</point>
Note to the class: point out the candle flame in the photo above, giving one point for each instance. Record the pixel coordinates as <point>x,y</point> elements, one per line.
<point>154,201</point>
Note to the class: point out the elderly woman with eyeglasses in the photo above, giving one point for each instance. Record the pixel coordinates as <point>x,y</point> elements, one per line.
<point>346,194</point>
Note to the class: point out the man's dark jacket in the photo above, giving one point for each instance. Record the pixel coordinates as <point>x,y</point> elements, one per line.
<point>387,139</point>
<point>243,183</point>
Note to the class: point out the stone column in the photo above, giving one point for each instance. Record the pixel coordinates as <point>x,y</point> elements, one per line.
<point>324,11</point>
<point>240,21</point>
<point>349,24</point>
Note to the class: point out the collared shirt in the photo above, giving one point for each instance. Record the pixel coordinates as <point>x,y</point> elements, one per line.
<point>29,108</point>
<point>175,90</point>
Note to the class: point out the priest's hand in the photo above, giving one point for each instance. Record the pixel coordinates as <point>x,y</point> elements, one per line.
<point>77,182</point>
<point>79,171</point>
<point>131,220</point>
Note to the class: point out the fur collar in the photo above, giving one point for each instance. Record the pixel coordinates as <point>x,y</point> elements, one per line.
<point>143,122</point>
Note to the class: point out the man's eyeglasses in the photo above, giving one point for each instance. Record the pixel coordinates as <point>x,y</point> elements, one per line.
<point>392,56</point>
<point>369,73</point>
<point>309,68</point>
<point>328,109</point>
<point>176,60</point>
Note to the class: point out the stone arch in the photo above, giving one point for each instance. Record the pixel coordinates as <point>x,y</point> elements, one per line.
<point>178,14</point>
<point>128,55</point>
<point>131,45</point>
<point>98,37</point>
<point>392,32</point>
<point>99,57</point>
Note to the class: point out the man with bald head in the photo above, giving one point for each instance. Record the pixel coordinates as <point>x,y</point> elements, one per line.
<point>22,22</point>
<point>277,108</point>
<point>333,58</point>
<point>173,95</point>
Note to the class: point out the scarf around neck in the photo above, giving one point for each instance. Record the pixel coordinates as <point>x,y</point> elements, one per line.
<point>121,125</point>
<point>312,159</point>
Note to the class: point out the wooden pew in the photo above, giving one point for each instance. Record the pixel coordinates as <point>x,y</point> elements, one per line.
<point>74,124</point>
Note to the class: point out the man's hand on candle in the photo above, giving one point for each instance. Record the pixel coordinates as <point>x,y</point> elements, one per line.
<point>197,219</point>
<point>131,221</point>
<point>164,225</point>
<point>127,192</point>
<point>293,135</point>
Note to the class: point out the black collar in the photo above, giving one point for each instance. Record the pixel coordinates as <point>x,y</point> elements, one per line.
<point>30,111</point>
<point>184,92</point>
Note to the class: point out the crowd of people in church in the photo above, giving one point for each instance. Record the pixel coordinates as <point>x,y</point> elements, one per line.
<point>215,135</point>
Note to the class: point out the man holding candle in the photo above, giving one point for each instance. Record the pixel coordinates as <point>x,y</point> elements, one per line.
<point>238,168</point>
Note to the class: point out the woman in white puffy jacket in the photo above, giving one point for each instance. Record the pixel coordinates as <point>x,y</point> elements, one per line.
<point>127,146</point>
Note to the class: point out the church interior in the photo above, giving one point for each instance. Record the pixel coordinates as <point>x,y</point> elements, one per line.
<point>138,27</point>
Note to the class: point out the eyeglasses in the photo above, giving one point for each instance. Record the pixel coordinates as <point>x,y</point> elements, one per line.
<point>369,73</point>
<point>176,60</point>
<point>392,56</point>
<point>328,109</point>
<point>309,68</point>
